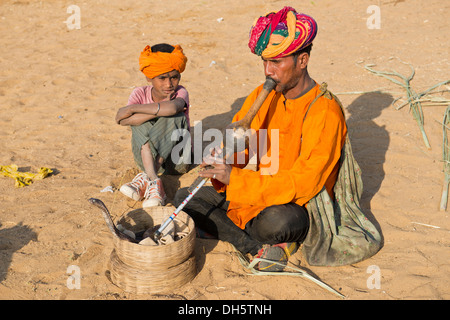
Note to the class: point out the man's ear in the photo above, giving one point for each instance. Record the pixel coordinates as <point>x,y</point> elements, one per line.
<point>302,60</point>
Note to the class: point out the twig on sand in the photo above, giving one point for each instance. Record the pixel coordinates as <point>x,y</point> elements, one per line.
<point>426,225</point>
<point>414,99</point>
<point>415,107</point>
<point>446,158</point>
<point>297,272</point>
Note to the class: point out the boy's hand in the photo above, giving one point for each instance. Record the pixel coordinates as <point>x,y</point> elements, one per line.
<point>123,113</point>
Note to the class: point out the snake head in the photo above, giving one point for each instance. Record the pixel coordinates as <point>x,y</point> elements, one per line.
<point>94,201</point>
<point>98,203</point>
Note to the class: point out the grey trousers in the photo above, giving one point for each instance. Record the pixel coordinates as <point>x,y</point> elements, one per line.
<point>162,136</point>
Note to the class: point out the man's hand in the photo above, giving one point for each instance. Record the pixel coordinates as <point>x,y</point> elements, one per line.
<point>220,171</point>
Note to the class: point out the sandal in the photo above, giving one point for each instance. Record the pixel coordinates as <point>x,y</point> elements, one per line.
<point>275,257</point>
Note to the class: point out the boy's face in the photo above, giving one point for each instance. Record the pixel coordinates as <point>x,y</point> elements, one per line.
<point>164,85</point>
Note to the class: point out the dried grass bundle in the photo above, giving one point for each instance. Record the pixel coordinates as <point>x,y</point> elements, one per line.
<point>446,159</point>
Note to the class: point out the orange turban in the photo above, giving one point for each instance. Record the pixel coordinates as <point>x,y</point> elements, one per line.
<point>152,64</point>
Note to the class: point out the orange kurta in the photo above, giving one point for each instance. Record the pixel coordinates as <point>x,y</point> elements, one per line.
<point>297,166</point>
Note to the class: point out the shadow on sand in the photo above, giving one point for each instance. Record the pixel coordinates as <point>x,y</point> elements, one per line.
<point>370,143</point>
<point>11,240</point>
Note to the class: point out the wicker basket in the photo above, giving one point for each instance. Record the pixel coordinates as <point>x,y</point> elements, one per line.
<point>150,269</point>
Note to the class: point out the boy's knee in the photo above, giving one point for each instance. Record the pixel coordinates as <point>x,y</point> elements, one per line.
<point>178,120</point>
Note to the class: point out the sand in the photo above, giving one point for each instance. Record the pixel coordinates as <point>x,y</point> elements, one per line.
<point>60,90</point>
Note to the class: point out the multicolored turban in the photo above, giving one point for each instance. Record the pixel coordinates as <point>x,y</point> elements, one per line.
<point>278,34</point>
<point>152,64</point>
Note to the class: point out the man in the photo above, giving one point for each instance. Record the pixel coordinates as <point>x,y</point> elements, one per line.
<point>263,212</point>
<point>154,112</point>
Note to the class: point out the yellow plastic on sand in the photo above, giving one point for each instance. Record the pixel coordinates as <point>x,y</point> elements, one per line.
<point>23,179</point>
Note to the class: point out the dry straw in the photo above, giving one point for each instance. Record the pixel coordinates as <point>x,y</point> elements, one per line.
<point>414,99</point>
<point>415,107</point>
<point>446,159</point>
<point>296,273</point>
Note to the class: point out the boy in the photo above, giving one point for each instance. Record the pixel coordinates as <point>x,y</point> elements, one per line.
<point>154,112</point>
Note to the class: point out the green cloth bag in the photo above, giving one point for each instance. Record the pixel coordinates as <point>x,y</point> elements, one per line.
<point>340,233</point>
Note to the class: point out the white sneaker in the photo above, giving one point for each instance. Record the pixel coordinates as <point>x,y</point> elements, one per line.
<point>154,194</point>
<point>137,187</point>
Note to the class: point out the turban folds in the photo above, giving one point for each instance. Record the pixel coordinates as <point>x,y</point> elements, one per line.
<point>153,64</point>
<point>279,34</point>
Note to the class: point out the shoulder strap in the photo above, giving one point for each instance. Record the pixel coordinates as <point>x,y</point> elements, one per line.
<point>324,92</point>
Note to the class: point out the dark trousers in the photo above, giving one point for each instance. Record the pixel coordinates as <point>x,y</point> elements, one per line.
<point>275,224</point>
